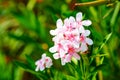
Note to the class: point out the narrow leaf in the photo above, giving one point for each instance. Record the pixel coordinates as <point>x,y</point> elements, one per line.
<point>104,41</point>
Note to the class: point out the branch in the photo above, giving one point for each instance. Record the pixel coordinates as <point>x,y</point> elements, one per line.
<point>93,3</point>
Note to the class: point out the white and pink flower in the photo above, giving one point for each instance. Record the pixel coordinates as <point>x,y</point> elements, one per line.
<point>44,62</point>
<point>70,38</point>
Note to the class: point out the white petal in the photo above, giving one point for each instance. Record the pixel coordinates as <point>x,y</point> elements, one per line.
<point>86,33</point>
<point>49,62</point>
<point>62,53</point>
<point>75,32</point>
<point>63,61</point>
<point>37,68</point>
<point>53,49</point>
<point>86,22</point>
<point>76,56</point>
<point>79,16</point>
<point>75,44</point>
<point>72,19</point>
<point>43,55</point>
<point>89,41</point>
<point>84,47</point>
<point>53,32</point>
<point>59,23</point>
<point>37,62</point>
<point>81,29</point>
<point>42,67</point>
<point>66,21</point>
<point>56,56</point>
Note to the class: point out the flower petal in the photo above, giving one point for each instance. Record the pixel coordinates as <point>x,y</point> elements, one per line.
<point>72,19</point>
<point>53,32</point>
<point>63,61</point>
<point>62,52</point>
<point>81,29</point>
<point>86,22</point>
<point>66,21</point>
<point>42,67</point>
<point>79,16</point>
<point>59,23</point>
<point>83,47</point>
<point>56,56</point>
<point>48,62</point>
<point>89,41</point>
<point>53,49</point>
<point>76,56</point>
<point>86,33</point>
<point>68,58</point>
<point>37,68</point>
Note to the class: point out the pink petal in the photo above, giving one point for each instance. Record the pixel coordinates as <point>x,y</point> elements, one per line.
<point>79,16</point>
<point>62,53</point>
<point>49,62</point>
<point>83,47</point>
<point>89,41</point>
<point>42,67</point>
<point>76,56</point>
<point>86,22</point>
<point>68,58</point>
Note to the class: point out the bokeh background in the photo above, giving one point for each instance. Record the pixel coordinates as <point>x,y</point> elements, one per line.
<point>24,33</point>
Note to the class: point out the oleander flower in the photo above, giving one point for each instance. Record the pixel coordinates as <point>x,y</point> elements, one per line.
<point>44,62</point>
<point>85,41</point>
<point>70,38</point>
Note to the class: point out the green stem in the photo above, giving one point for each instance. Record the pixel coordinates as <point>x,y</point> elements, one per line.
<point>84,66</point>
<point>93,3</point>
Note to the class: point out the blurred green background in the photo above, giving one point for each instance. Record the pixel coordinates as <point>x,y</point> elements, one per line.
<point>24,33</point>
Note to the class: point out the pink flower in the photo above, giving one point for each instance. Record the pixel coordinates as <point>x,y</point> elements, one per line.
<point>43,62</point>
<point>84,41</point>
<point>70,38</point>
<point>80,23</point>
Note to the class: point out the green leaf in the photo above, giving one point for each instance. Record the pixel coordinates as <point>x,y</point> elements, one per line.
<point>24,20</point>
<point>24,38</point>
<point>93,73</point>
<point>99,67</point>
<point>70,77</point>
<point>116,11</point>
<point>30,61</point>
<point>108,13</point>
<point>21,64</point>
<point>31,4</point>
<point>104,41</point>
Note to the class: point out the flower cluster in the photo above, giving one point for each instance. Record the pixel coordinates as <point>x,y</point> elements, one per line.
<point>43,62</point>
<point>70,38</point>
